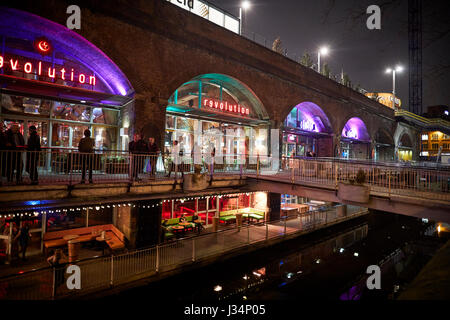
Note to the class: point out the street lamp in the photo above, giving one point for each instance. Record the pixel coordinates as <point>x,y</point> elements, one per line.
<point>244,6</point>
<point>394,71</point>
<point>322,51</point>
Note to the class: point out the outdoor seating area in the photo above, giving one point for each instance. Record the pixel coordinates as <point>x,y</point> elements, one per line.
<point>106,235</point>
<point>250,214</point>
<point>175,229</point>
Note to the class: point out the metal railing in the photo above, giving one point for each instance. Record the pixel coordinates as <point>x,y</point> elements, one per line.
<point>105,272</point>
<point>390,179</point>
<point>71,167</point>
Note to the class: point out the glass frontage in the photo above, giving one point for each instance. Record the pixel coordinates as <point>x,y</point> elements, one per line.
<point>298,145</point>
<point>207,207</point>
<point>405,154</point>
<point>61,124</point>
<point>305,127</point>
<point>206,136</point>
<point>216,114</point>
<point>211,13</point>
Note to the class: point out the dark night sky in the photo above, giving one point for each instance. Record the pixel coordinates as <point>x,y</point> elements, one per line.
<point>303,25</point>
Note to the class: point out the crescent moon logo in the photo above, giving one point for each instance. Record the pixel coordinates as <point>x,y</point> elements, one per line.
<point>43,46</point>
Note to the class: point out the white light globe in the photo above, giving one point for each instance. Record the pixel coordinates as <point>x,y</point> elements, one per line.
<point>324,50</point>
<point>245,5</point>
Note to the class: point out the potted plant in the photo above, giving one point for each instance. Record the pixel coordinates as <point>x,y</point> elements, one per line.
<point>354,190</point>
<point>195,181</point>
<point>116,164</point>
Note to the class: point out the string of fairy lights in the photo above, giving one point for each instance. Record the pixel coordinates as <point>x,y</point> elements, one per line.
<point>93,208</point>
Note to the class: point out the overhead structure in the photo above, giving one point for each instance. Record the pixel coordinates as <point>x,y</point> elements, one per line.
<point>415,55</point>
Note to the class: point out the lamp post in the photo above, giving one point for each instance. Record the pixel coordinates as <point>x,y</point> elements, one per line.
<point>394,71</point>
<point>244,6</point>
<point>322,51</point>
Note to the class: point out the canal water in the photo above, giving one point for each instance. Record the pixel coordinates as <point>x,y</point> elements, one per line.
<point>327,264</point>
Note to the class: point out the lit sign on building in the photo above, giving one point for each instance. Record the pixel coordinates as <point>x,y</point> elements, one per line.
<point>225,106</point>
<point>53,73</point>
<point>43,46</point>
<point>351,134</point>
<point>308,125</point>
<point>384,98</point>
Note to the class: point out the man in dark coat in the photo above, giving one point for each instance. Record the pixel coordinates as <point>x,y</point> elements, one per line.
<point>33,148</point>
<point>137,148</point>
<point>15,143</point>
<point>86,149</point>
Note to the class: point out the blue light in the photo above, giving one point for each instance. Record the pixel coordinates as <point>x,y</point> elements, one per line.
<point>33,203</point>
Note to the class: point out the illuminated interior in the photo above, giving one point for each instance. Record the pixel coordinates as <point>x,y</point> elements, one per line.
<point>205,113</point>
<point>304,126</point>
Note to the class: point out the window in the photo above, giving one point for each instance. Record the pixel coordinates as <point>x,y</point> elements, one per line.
<point>445,137</point>
<point>445,146</point>
<point>425,146</point>
<point>424,137</point>
<point>68,111</point>
<point>435,146</point>
<point>19,104</point>
<point>435,136</point>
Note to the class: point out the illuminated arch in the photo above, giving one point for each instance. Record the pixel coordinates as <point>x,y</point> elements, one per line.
<point>220,86</point>
<point>355,129</point>
<point>24,25</point>
<point>308,116</point>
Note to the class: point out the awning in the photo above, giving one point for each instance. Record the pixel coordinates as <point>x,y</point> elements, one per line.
<point>45,90</point>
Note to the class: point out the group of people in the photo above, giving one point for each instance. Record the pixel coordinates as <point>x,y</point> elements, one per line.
<point>12,144</point>
<point>138,147</point>
<point>20,238</point>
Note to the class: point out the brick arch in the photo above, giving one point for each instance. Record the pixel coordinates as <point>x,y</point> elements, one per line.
<point>315,110</point>
<point>385,132</point>
<point>365,129</point>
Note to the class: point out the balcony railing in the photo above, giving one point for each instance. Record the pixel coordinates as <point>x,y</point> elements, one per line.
<point>67,167</point>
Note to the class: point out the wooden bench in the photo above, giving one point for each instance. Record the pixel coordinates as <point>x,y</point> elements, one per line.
<point>56,239</point>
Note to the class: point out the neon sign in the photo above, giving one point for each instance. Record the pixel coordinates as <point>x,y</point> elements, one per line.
<point>225,106</point>
<point>351,134</point>
<point>307,125</point>
<point>43,46</point>
<point>53,73</point>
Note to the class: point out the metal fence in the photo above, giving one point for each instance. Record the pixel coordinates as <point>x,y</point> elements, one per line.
<point>390,179</point>
<point>70,167</point>
<point>105,272</point>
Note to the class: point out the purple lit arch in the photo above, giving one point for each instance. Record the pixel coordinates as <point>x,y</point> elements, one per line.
<point>308,116</point>
<point>355,129</point>
<point>20,24</point>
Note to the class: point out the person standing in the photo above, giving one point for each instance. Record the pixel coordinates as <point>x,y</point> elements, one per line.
<point>24,236</point>
<point>137,148</point>
<point>15,143</point>
<point>86,148</point>
<point>56,261</point>
<point>153,149</point>
<point>177,153</point>
<point>33,148</point>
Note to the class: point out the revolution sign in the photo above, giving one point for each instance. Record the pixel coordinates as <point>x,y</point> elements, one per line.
<point>53,73</point>
<point>225,106</point>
